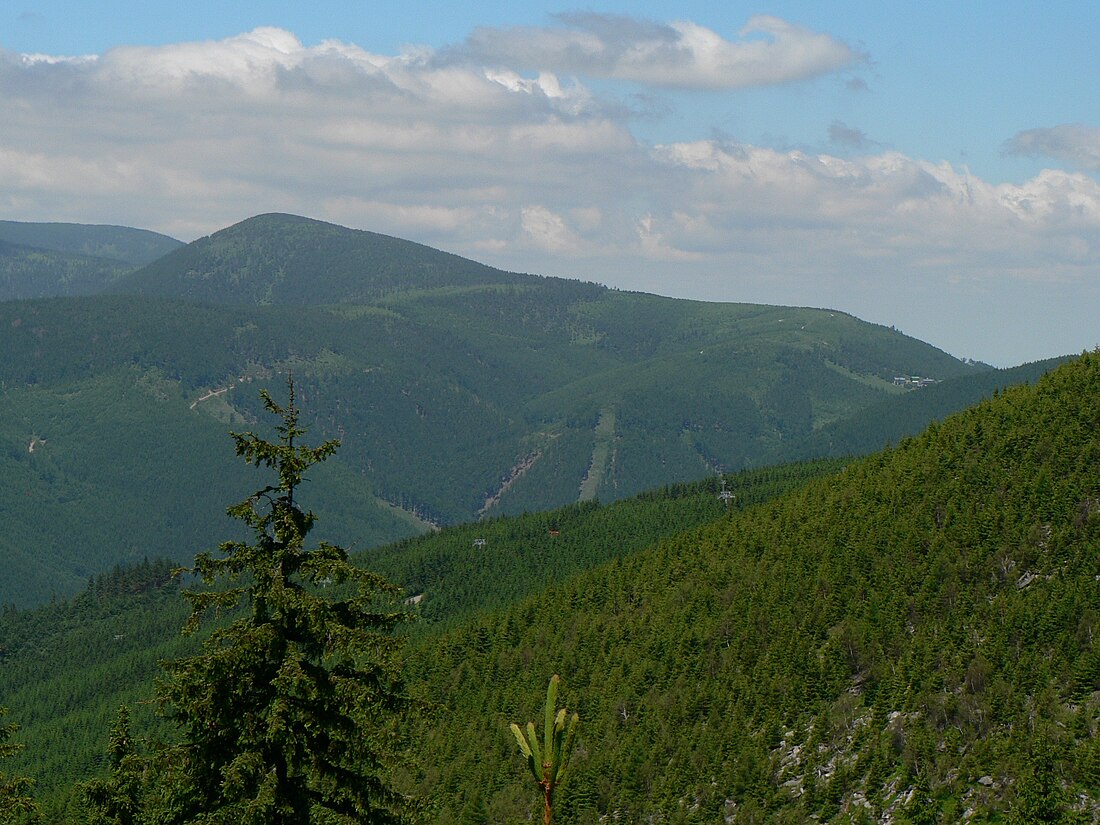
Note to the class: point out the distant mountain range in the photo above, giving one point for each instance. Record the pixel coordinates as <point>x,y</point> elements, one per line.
<point>459,391</point>
<point>38,260</point>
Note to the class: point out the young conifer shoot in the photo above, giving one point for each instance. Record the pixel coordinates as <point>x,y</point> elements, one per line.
<point>549,761</point>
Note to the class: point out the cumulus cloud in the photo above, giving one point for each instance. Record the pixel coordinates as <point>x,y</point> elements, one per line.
<point>485,156</point>
<point>1074,144</point>
<point>885,206</point>
<point>680,54</point>
<point>548,230</point>
<point>529,169</point>
<point>226,128</point>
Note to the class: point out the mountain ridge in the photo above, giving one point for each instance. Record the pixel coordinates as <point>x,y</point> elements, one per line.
<point>126,244</point>
<point>41,260</point>
<point>439,383</point>
<point>907,640</point>
<point>259,261</point>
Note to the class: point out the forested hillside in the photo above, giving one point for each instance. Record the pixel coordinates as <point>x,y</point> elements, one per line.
<point>284,259</point>
<point>909,639</point>
<point>68,666</point>
<point>112,469</point>
<point>28,272</point>
<point>458,391</point>
<point>136,247</point>
<point>914,637</point>
<point>39,260</point>
<point>887,422</point>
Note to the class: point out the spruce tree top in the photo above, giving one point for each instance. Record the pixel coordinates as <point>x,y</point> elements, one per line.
<point>290,713</point>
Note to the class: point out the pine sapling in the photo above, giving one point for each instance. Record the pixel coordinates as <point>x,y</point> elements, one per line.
<point>548,762</point>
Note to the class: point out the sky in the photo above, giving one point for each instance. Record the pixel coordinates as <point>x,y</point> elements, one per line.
<point>931,166</point>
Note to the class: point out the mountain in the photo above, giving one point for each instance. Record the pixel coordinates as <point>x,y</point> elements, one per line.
<point>286,259</point>
<point>87,484</point>
<point>458,391</point>
<point>910,638</point>
<point>889,421</point>
<point>39,260</point>
<point>135,247</point>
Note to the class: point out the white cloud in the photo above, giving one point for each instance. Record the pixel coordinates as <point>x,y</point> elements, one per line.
<point>548,230</point>
<point>535,172</point>
<point>680,54</point>
<point>438,220</point>
<point>654,244</point>
<point>878,206</point>
<point>206,133</point>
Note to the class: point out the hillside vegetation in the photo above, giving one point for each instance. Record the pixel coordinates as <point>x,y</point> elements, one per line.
<point>284,259</point>
<point>909,639</point>
<point>114,469</point>
<point>887,422</point>
<point>67,666</point>
<point>458,391</point>
<point>40,260</point>
<point>135,247</point>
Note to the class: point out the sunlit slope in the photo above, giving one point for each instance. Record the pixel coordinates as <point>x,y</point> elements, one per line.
<point>69,665</point>
<point>915,632</point>
<point>922,621</point>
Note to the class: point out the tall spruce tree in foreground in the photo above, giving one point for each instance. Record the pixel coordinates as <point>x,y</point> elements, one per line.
<point>16,803</point>
<point>288,714</point>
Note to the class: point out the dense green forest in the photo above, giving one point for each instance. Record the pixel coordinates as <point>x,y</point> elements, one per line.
<point>128,619</point>
<point>136,247</point>
<point>909,637</point>
<point>27,272</point>
<point>458,391</point>
<point>912,638</point>
<point>889,421</point>
<point>40,260</point>
<point>107,470</point>
<point>283,259</point>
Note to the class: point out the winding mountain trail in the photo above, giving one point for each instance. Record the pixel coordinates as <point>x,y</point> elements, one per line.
<point>209,395</point>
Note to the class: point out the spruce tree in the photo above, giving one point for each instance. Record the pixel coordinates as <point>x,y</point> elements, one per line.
<point>922,808</point>
<point>1040,796</point>
<point>117,799</point>
<point>289,714</point>
<point>16,803</point>
<point>475,811</point>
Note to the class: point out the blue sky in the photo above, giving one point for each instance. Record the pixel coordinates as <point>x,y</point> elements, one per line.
<point>931,166</point>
